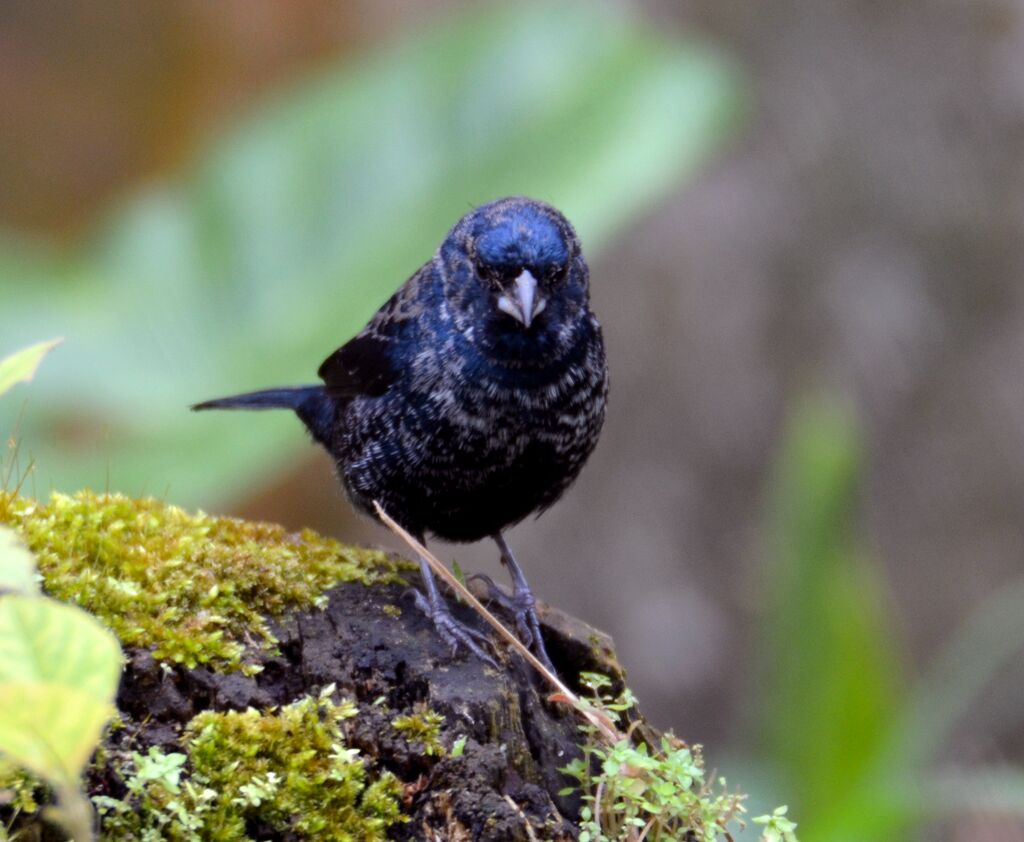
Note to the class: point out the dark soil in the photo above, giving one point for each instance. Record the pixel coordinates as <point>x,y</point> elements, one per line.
<point>507,776</point>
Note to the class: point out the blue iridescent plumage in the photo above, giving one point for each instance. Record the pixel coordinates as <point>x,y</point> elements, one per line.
<point>473,396</point>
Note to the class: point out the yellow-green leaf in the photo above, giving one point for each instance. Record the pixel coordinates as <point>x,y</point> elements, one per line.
<point>51,729</point>
<point>17,566</point>
<point>59,669</point>
<point>20,367</point>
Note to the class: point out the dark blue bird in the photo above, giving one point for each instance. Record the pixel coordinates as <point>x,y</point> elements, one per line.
<point>473,396</point>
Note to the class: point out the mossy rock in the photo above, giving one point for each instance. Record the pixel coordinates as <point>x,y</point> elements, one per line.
<point>283,686</point>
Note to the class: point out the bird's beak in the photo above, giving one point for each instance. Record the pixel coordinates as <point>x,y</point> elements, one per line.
<point>523,304</point>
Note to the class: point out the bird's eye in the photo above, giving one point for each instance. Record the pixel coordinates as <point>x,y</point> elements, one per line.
<point>484,270</point>
<point>557,272</point>
<point>494,275</point>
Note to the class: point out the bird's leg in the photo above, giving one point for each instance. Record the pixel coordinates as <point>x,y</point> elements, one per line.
<point>451,630</point>
<point>522,604</point>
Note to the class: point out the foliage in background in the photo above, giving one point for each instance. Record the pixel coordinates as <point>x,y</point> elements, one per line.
<point>281,241</point>
<point>851,737</point>
<point>830,650</point>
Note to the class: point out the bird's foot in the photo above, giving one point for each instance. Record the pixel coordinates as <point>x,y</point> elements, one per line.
<point>522,606</point>
<point>453,632</point>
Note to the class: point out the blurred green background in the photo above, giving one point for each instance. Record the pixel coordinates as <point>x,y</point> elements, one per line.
<point>804,221</point>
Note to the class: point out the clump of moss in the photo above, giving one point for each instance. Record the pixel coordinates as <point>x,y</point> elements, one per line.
<point>423,728</point>
<point>193,586</point>
<point>19,791</point>
<point>243,773</point>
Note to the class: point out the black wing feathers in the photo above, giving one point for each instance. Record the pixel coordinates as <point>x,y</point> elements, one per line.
<point>362,366</point>
<point>365,365</point>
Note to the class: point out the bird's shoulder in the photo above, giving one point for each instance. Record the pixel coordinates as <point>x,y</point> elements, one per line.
<point>371,361</point>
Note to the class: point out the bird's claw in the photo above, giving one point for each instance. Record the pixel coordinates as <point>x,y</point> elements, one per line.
<point>522,606</point>
<point>494,592</point>
<point>518,609</point>
<point>452,631</point>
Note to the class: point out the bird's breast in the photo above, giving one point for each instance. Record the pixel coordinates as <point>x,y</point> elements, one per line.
<point>499,414</point>
<point>468,445</point>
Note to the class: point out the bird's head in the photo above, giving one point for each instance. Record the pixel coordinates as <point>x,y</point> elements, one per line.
<point>521,266</point>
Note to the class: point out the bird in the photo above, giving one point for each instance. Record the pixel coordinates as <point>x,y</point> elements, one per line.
<point>470,400</point>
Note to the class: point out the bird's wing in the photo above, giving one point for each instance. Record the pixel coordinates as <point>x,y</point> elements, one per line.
<point>362,366</point>
<point>366,364</point>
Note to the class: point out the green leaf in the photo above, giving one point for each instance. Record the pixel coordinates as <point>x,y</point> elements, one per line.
<point>852,739</point>
<point>295,227</point>
<point>50,729</point>
<point>20,367</point>
<point>17,565</point>
<point>833,678</point>
<point>59,670</point>
<point>898,788</point>
<point>459,746</point>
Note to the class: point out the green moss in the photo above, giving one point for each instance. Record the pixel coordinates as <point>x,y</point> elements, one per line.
<point>194,586</point>
<point>19,790</point>
<point>286,771</point>
<point>422,727</point>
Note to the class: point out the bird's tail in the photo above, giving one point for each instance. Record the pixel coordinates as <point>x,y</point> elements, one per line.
<point>310,403</point>
<point>286,398</point>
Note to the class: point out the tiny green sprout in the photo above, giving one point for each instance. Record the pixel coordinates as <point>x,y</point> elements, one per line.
<point>258,790</point>
<point>459,574</point>
<point>155,766</point>
<point>777,828</point>
<point>595,681</point>
<point>459,746</point>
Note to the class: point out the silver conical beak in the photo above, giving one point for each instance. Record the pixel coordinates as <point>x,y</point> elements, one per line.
<point>524,303</point>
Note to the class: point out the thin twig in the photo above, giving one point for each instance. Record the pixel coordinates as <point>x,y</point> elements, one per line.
<point>597,804</point>
<point>522,815</point>
<point>563,693</point>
